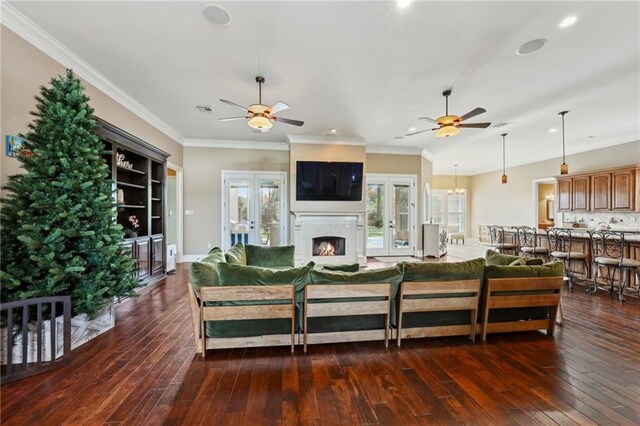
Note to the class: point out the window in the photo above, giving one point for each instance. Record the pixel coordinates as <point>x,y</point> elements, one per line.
<point>449,209</point>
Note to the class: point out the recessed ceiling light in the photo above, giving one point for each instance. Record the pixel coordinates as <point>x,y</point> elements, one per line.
<point>568,21</point>
<point>553,130</point>
<point>412,129</point>
<point>531,46</point>
<point>333,130</point>
<point>403,3</point>
<point>218,15</point>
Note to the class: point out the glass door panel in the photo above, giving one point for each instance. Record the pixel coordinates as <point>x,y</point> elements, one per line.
<point>239,222</point>
<point>269,225</point>
<point>400,220</point>
<point>375,218</point>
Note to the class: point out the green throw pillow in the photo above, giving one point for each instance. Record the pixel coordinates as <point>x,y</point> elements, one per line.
<point>440,271</point>
<point>270,256</point>
<point>231,274</point>
<point>236,255</point>
<point>495,258</point>
<point>205,271</point>
<point>352,267</point>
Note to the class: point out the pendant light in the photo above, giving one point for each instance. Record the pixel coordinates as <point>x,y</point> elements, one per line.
<point>564,167</point>
<point>455,190</point>
<point>504,175</point>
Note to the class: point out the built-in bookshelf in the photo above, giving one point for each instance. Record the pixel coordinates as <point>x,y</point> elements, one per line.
<point>138,172</point>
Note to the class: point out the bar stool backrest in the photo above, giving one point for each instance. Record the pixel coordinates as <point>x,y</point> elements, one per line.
<point>496,233</point>
<point>607,244</point>
<point>527,236</point>
<point>559,239</point>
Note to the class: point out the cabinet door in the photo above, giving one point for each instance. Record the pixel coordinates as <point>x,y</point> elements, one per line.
<point>157,255</point>
<point>142,257</point>
<point>564,194</point>
<point>580,193</point>
<point>601,192</point>
<point>623,191</point>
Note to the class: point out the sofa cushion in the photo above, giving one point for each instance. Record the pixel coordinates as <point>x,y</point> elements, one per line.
<point>231,275</point>
<point>270,256</point>
<point>205,271</point>
<point>236,255</point>
<point>440,271</point>
<point>351,267</point>
<point>518,262</point>
<point>495,258</point>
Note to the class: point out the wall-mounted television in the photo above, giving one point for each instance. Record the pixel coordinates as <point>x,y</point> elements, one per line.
<point>328,181</point>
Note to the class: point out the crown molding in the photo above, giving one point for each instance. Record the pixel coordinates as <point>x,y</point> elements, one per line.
<point>229,144</point>
<point>397,150</point>
<point>324,140</point>
<point>427,155</point>
<point>35,35</point>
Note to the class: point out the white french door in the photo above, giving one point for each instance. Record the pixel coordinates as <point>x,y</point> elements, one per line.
<point>391,214</point>
<point>254,208</point>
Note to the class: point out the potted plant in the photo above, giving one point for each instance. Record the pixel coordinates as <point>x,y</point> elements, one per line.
<point>135,225</point>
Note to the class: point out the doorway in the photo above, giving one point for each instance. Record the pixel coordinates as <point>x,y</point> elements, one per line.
<point>254,208</point>
<point>391,214</point>
<point>544,197</point>
<point>174,213</point>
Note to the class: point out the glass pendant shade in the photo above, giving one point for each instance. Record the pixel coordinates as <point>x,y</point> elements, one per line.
<point>564,169</point>
<point>259,122</point>
<point>504,178</point>
<point>447,131</point>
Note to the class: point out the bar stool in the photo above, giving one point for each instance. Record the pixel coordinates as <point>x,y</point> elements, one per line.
<point>607,248</point>
<point>498,242</point>
<point>529,245</point>
<point>560,248</point>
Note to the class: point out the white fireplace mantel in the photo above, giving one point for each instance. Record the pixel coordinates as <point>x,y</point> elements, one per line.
<point>310,225</point>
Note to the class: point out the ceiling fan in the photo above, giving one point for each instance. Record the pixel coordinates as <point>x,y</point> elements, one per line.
<point>449,125</point>
<point>261,117</point>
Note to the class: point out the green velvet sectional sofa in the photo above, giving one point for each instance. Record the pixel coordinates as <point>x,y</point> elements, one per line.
<point>256,266</point>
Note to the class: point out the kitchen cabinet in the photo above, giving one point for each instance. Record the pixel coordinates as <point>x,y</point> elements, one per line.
<point>623,190</point>
<point>580,194</point>
<point>564,194</point>
<point>601,192</point>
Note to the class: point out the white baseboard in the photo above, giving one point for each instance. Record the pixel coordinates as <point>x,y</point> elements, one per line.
<point>419,253</point>
<point>191,257</point>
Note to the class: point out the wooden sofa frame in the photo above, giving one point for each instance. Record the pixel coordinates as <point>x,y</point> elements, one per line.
<point>516,299</point>
<point>334,309</point>
<point>201,313</point>
<point>458,300</point>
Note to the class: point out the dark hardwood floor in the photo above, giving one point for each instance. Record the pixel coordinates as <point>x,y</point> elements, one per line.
<point>145,371</point>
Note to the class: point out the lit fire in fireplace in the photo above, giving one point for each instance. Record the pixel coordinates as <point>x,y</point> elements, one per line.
<point>326,249</point>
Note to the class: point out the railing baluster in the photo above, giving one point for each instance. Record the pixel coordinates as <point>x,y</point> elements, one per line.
<point>9,341</point>
<point>39,348</point>
<point>53,332</point>
<point>25,337</point>
<point>67,328</point>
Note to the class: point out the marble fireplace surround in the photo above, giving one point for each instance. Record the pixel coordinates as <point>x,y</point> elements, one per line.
<point>310,225</point>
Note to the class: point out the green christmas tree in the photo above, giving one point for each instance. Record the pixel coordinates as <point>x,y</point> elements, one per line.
<point>59,235</point>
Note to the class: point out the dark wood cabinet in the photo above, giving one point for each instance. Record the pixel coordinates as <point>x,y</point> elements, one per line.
<point>138,170</point>
<point>580,193</point>
<point>564,194</point>
<point>623,190</point>
<point>601,192</point>
<point>157,254</point>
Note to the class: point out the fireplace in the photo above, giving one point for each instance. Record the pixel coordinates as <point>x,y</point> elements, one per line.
<point>328,246</point>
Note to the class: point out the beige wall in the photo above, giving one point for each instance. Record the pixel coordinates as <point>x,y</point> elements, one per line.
<point>514,203</point>
<point>25,69</point>
<point>203,188</point>
<point>464,182</point>
<point>324,152</point>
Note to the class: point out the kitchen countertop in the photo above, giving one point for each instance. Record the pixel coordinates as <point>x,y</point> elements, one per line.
<point>632,236</point>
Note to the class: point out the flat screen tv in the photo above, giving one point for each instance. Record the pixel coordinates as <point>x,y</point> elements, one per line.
<point>328,181</point>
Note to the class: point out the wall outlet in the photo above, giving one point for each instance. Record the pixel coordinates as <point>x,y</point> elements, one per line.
<point>188,212</point>
<point>208,245</point>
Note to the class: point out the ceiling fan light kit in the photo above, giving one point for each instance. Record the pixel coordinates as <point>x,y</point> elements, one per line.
<point>450,125</point>
<point>564,167</point>
<point>261,117</point>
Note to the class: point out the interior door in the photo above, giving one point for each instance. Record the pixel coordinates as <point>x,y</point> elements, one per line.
<point>390,215</point>
<point>254,208</point>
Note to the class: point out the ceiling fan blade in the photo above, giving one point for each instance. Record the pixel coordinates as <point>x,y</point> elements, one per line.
<point>421,131</point>
<point>475,125</point>
<point>472,113</point>
<point>234,104</point>
<point>288,121</point>
<point>278,107</point>
<point>232,118</point>
<point>428,119</point>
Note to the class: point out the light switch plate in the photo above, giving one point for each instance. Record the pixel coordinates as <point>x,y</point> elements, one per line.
<point>188,212</point>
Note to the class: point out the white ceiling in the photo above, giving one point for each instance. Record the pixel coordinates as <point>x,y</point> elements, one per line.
<point>369,69</point>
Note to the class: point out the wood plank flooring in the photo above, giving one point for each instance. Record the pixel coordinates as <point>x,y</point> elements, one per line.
<point>145,372</point>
